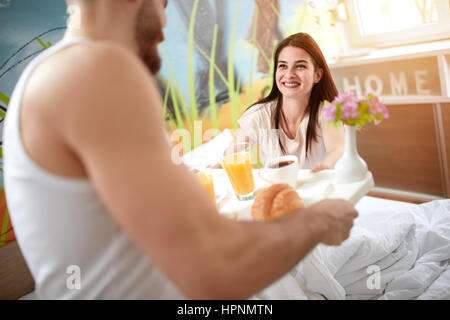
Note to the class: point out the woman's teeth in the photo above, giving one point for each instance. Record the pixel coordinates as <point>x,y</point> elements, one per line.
<point>291,84</point>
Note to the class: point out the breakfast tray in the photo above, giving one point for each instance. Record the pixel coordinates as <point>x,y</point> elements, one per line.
<point>311,187</point>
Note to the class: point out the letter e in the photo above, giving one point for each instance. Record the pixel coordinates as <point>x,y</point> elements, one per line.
<point>420,81</point>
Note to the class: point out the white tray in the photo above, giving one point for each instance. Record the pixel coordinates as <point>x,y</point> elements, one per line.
<point>311,187</point>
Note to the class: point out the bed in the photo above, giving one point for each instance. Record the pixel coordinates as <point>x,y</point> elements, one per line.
<point>396,250</point>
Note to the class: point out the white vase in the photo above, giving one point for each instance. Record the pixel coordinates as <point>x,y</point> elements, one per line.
<point>350,167</point>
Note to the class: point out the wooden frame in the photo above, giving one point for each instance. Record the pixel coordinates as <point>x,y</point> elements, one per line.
<point>15,277</point>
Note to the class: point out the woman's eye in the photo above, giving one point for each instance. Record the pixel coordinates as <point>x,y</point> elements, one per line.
<point>281,66</point>
<point>301,66</point>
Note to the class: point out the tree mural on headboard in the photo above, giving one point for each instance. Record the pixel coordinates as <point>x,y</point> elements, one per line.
<point>265,16</point>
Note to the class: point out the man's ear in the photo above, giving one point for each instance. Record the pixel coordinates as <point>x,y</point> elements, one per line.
<point>318,75</point>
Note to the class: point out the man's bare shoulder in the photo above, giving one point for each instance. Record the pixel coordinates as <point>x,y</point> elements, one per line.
<point>94,79</point>
<point>84,67</point>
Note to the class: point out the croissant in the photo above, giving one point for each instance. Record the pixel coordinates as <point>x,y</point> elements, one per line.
<point>276,202</point>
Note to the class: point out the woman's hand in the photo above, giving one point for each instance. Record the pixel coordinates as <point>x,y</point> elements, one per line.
<point>320,167</point>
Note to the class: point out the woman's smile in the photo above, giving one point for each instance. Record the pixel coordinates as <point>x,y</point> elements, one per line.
<point>290,84</point>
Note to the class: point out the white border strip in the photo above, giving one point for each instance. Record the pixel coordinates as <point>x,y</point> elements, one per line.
<point>407,195</point>
<point>444,74</point>
<point>442,150</point>
<point>407,100</point>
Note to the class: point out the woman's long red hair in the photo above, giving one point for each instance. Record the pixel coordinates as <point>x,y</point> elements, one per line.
<point>325,89</point>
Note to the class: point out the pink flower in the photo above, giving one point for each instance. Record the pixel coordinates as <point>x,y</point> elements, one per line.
<point>369,92</point>
<point>376,107</point>
<point>344,97</point>
<point>330,113</point>
<point>350,110</point>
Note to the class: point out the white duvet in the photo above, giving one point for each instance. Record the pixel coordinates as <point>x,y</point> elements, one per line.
<point>394,253</point>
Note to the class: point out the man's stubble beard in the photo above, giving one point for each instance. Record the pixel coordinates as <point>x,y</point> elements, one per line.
<point>148,35</point>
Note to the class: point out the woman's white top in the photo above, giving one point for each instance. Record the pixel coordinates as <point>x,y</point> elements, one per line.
<point>256,123</point>
<point>73,247</point>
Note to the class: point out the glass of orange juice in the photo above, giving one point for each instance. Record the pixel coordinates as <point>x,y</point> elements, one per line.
<point>206,180</point>
<point>237,164</point>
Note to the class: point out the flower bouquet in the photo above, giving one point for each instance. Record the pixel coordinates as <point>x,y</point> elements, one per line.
<point>346,108</point>
<point>353,112</point>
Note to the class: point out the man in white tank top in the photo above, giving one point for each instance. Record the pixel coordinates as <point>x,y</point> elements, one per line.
<point>92,189</point>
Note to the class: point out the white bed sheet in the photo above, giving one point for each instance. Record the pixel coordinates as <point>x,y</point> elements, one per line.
<point>408,243</point>
<point>370,204</point>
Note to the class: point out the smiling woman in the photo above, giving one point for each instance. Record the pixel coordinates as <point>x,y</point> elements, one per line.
<point>288,120</point>
<point>296,74</point>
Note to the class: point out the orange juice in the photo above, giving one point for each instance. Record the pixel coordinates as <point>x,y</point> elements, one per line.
<point>239,170</point>
<point>207,182</point>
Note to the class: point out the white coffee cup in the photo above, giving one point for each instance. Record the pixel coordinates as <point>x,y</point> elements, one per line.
<point>283,169</point>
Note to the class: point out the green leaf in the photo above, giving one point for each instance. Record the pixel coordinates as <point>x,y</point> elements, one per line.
<point>230,66</point>
<point>178,93</point>
<point>336,124</point>
<point>178,116</point>
<point>42,43</point>
<point>263,54</point>
<point>212,94</point>
<point>302,18</point>
<point>252,57</point>
<point>4,228</point>
<point>166,98</point>
<point>280,18</point>
<point>191,77</point>
<point>4,98</point>
<point>216,68</point>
